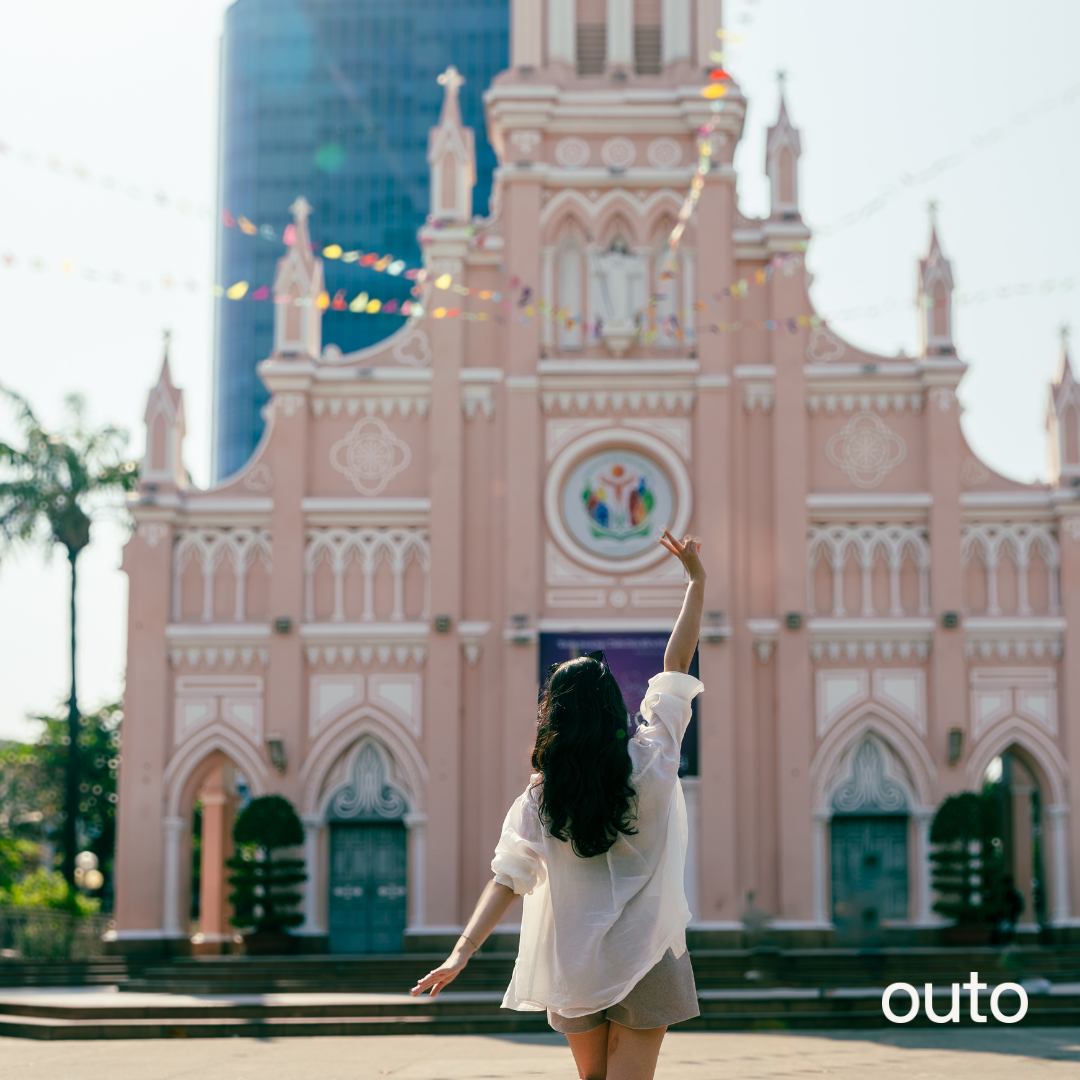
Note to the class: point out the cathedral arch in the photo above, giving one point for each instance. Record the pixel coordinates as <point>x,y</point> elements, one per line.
<point>912,761</point>
<point>1045,758</point>
<point>181,772</point>
<point>406,765</point>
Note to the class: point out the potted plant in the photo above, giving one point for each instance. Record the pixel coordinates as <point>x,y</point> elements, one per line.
<point>263,896</point>
<point>966,865</point>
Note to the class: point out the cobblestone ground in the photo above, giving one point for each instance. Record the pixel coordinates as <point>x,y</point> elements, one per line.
<point>1032,1054</point>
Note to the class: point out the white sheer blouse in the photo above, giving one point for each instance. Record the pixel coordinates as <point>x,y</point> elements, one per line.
<point>591,928</point>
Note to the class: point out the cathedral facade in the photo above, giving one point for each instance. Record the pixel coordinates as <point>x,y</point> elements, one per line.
<point>359,619</point>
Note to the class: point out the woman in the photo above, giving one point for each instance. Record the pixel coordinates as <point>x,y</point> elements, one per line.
<point>596,844</point>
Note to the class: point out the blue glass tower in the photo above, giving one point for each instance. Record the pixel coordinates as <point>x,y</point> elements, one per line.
<point>332,99</point>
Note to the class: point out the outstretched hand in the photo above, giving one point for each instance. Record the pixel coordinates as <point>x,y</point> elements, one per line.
<point>443,975</point>
<point>687,552</point>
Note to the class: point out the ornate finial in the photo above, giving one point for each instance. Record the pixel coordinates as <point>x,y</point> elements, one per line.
<point>781,78</point>
<point>166,338</point>
<point>300,209</point>
<point>932,209</point>
<point>1064,330</point>
<point>452,80</point>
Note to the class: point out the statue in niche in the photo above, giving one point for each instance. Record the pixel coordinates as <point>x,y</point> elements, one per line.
<point>621,278</point>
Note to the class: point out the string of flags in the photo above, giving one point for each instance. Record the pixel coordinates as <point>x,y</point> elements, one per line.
<point>77,171</point>
<point>364,304</point>
<point>977,143</point>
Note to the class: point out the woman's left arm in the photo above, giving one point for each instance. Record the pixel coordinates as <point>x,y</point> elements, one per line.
<point>493,904</point>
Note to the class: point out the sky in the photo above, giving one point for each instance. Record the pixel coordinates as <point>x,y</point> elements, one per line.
<point>108,128</point>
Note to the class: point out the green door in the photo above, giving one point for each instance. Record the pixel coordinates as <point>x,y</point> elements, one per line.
<point>367,887</point>
<point>869,873</point>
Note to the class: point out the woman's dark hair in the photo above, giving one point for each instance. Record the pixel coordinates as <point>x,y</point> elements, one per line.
<point>586,795</point>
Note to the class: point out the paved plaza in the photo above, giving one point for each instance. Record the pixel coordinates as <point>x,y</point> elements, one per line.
<point>994,1054</point>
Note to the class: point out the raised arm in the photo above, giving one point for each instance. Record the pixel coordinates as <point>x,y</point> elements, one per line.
<point>684,638</point>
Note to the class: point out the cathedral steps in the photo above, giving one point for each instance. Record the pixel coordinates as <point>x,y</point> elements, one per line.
<point>713,969</point>
<point>62,972</point>
<point>60,1016</point>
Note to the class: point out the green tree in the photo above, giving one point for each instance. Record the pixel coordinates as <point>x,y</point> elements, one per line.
<point>33,779</point>
<point>261,895</point>
<point>51,486</point>
<point>966,859</point>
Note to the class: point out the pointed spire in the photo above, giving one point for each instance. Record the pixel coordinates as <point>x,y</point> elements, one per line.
<point>451,155</point>
<point>935,295</point>
<point>165,376</point>
<point>782,150</point>
<point>1064,369</point>
<point>162,462</point>
<point>1063,420</point>
<point>299,295</point>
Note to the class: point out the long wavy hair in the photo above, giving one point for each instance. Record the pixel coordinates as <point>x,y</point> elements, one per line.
<point>581,752</point>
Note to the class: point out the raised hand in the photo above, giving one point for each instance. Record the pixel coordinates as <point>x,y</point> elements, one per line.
<point>688,552</point>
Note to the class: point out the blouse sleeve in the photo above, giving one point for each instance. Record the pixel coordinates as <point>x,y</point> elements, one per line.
<point>519,859</point>
<point>666,708</point>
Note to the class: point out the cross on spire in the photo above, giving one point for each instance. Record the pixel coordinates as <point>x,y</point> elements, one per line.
<point>166,338</point>
<point>452,80</point>
<point>300,209</point>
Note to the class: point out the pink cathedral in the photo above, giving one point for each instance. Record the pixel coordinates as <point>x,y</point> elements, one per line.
<point>360,618</point>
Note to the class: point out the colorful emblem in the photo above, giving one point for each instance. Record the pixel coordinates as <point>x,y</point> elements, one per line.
<point>615,503</point>
<point>618,501</point>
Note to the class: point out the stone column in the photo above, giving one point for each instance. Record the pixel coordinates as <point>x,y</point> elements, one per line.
<point>794,675</point>
<point>675,30</point>
<point>562,32</point>
<point>1068,835</point>
<point>212,874</point>
<point>1059,825</point>
<point>526,20</point>
<point>946,677</point>
<point>723,800</point>
<point>924,818</point>
<point>821,867</point>
<point>173,830</point>
<point>311,925</point>
<point>415,824</point>
<point>519,504</point>
<point>620,33</point>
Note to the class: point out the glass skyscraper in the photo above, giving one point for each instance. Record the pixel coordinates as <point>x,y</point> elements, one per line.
<point>331,99</point>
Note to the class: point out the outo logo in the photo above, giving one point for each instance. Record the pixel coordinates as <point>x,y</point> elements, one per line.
<point>973,986</point>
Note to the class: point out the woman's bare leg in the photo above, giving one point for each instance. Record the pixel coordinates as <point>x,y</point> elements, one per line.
<point>590,1050</point>
<point>632,1053</point>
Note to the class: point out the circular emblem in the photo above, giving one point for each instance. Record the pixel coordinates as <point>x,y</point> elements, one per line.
<point>616,503</point>
<point>572,152</point>
<point>664,153</point>
<point>618,153</point>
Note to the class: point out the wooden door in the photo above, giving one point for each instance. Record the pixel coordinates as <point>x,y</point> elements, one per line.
<point>367,887</point>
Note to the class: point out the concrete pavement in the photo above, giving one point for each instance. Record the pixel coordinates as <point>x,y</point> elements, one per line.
<point>993,1054</point>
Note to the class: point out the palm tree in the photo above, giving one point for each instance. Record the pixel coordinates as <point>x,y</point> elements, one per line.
<point>49,491</point>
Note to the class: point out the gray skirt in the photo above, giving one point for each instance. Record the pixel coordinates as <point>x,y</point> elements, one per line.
<point>665,995</point>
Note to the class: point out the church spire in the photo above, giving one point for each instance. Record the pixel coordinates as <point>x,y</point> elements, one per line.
<point>1063,419</point>
<point>163,461</point>
<point>935,296</point>
<point>782,150</point>
<point>451,156</point>
<point>298,291</point>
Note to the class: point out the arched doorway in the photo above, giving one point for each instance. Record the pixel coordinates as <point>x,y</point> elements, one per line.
<point>368,894</point>
<point>869,843</point>
<point>1013,780</point>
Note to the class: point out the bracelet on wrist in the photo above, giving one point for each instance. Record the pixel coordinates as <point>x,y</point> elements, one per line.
<point>476,948</point>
